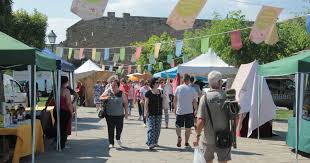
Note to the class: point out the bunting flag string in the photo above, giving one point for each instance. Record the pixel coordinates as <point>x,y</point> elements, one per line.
<point>235,39</point>
<point>133,58</point>
<point>111,68</point>
<point>97,57</point>
<point>169,58</point>
<point>308,23</point>
<point>76,54</point>
<point>116,57</point>
<point>138,52</point>
<point>273,36</point>
<point>149,67</point>
<point>160,66</point>
<point>152,59</point>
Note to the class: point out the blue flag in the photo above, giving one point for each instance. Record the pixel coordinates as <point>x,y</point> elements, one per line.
<point>106,54</point>
<point>308,23</point>
<point>178,48</point>
<point>149,67</point>
<point>111,68</point>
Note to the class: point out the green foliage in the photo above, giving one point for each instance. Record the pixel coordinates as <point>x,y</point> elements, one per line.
<point>5,15</point>
<point>29,28</point>
<point>148,49</point>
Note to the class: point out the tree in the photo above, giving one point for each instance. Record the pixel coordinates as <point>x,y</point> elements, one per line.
<point>292,34</point>
<point>5,15</point>
<point>29,28</point>
<point>148,49</point>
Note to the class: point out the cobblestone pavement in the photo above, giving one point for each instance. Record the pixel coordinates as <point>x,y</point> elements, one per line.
<point>90,145</point>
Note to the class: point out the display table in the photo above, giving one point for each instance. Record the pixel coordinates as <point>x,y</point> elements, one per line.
<point>304,137</point>
<point>24,139</point>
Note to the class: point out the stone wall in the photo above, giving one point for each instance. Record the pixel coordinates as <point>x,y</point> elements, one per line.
<point>111,31</point>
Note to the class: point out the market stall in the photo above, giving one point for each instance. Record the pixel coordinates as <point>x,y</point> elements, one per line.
<point>298,135</point>
<point>205,63</point>
<point>19,56</point>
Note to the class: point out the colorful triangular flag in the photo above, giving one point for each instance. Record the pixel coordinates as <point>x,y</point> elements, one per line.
<point>149,67</point>
<point>106,54</point>
<point>205,42</point>
<point>116,57</point>
<point>133,58</point>
<point>122,54</point>
<point>160,66</point>
<point>156,50</point>
<point>185,59</point>
<point>81,53</point>
<point>60,51</point>
<point>273,36</point>
<point>172,64</point>
<point>70,53</point>
<point>76,54</point>
<point>97,57</point>
<point>169,58</point>
<point>152,59</point>
<point>178,48</point>
<point>138,52</point>
<point>308,23</point>
<point>93,54</point>
<point>235,39</point>
<point>110,68</point>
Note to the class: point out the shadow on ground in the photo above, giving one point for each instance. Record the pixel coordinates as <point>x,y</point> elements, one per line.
<point>80,151</point>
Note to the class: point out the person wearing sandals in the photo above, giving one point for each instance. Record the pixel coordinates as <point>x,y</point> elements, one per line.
<point>116,110</point>
<point>153,110</point>
<point>185,99</point>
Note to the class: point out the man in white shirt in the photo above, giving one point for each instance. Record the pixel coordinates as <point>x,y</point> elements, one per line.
<point>185,99</point>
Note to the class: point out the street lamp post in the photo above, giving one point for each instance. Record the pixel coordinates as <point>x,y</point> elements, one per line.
<point>52,39</point>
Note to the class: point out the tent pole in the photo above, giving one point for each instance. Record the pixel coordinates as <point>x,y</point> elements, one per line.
<point>58,109</point>
<point>32,94</point>
<point>297,76</point>
<point>76,107</point>
<point>258,104</point>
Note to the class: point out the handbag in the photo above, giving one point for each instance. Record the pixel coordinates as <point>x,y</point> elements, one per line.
<point>223,138</point>
<point>46,121</point>
<point>103,113</point>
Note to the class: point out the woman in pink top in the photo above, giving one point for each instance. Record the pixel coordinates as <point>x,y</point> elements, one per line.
<point>131,94</point>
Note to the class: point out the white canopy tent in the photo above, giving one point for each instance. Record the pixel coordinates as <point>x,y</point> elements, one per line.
<point>88,68</point>
<point>205,63</point>
<point>246,85</point>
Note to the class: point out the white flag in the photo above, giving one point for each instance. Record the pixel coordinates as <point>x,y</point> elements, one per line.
<point>89,9</point>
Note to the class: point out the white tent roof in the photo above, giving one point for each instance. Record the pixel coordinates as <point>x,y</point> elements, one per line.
<point>205,63</point>
<point>88,68</point>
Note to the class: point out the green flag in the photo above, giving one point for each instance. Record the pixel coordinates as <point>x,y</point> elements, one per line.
<point>161,66</point>
<point>70,53</point>
<point>122,54</point>
<point>169,58</point>
<point>205,44</point>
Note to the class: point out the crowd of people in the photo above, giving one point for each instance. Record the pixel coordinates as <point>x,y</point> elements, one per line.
<point>155,99</point>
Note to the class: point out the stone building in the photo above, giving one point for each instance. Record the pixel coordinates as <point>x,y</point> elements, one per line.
<point>111,31</point>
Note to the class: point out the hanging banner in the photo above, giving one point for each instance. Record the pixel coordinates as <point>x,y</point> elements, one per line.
<point>139,69</point>
<point>98,56</point>
<point>106,54</point>
<point>266,18</point>
<point>185,13</point>
<point>81,53</point>
<point>93,54</point>
<point>133,58</point>
<point>129,69</point>
<point>60,51</point>
<point>160,66</point>
<point>169,58</point>
<point>149,67</point>
<point>116,57</point>
<point>152,59</point>
<point>110,68</point>
<point>205,42</point>
<point>138,52</point>
<point>235,39</point>
<point>88,9</point>
<point>273,36</point>
<point>122,54</point>
<point>178,48</point>
<point>70,53</point>
<point>185,59</point>
<point>156,50</point>
<point>308,23</point>
<point>76,55</point>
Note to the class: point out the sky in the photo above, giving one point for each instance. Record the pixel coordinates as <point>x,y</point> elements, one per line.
<point>60,16</point>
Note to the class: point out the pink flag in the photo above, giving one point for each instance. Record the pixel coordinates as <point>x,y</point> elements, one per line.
<point>138,52</point>
<point>235,39</point>
<point>129,69</point>
<point>81,53</point>
<point>266,18</point>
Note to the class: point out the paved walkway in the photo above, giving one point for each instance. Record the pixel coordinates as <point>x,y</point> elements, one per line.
<point>91,145</point>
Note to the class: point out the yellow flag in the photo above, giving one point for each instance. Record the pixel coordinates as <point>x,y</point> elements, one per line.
<point>272,37</point>
<point>93,54</point>
<point>156,50</point>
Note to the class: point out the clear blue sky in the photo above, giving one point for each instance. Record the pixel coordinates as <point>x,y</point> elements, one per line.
<point>60,17</point>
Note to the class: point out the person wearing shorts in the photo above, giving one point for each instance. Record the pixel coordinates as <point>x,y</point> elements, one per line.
<point>185,98</point>
<point>214,99</point>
